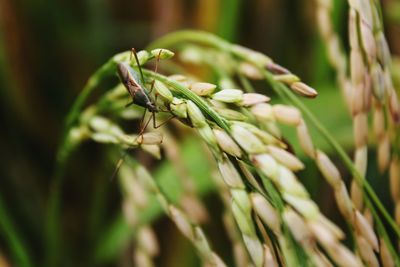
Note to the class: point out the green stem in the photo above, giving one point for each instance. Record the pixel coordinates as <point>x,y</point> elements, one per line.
<point>200,37</point>
<point>382,232</point>
<point>228,19</point>
<point>186,93</point>
<point>77,106</point>
<point>64,149</point>
<point>248,87</point>
<point>212,40</point>
<point>13,239</point>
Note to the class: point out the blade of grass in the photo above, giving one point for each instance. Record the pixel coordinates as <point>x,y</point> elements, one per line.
<point>13,239</point>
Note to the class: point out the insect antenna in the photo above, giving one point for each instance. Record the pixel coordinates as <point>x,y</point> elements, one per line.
<point>155,70</point>
<point>133,51</point>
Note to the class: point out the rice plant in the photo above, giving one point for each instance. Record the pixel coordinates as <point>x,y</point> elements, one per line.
<point>248,122</point>
<point>269,214</point>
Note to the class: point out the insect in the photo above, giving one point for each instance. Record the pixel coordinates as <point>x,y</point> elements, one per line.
<point>135,85</point>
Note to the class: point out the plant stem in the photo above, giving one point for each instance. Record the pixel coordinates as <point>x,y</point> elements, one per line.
<point>186,93</point>
<point>13,239</point>
<point>91,84</point>
<point>247,86</point>
<point>199,37</point>
<point>53,209</point>
<point>228,19</point>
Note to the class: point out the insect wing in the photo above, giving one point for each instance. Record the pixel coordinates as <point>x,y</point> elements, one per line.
<point>133,83</point>
<point>128,75</point>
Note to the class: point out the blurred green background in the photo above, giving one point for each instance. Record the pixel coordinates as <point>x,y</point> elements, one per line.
<point>48,49</point>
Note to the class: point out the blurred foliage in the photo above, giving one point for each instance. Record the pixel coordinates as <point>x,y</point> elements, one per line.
<point>47,51</point>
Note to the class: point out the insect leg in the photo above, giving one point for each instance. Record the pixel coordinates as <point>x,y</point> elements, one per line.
<point>129,104</point>
<point>152,86</point>
<point>155,126</point>
<point>161,124</point>
<point>141,120</point>
<point>145,126</point>
<point>157,61</point>
<point>154,120</point>
<point>155,70</point>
